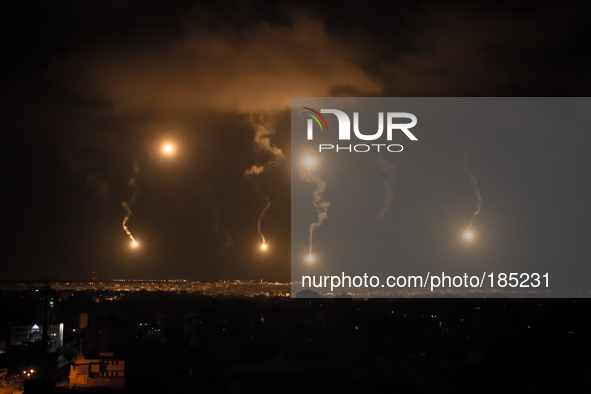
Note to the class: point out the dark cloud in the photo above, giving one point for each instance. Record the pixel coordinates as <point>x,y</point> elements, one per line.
<point>253,70</point>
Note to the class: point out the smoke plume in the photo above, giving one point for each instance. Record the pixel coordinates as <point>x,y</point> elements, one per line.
<point>388,170</point>
<point>319,203</point>
<point>475,184</point>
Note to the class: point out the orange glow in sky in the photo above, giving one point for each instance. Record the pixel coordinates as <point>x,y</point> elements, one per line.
<point>168,149</point>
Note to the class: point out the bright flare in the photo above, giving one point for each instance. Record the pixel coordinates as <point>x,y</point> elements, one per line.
<point>168,149</point>
<point>468,235</point>
<point>134,244</point>
<point>309,162</point>
<point>264,244</point>
<point>310,258</point>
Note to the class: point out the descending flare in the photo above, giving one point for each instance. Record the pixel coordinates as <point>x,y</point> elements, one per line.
<point>125,219</point>
<point>261,218</point>
<point>310,258</point>
<point>264,128</point>
<point>127,205</point>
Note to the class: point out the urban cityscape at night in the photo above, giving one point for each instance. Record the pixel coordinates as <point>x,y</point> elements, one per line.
<point>176,340</point>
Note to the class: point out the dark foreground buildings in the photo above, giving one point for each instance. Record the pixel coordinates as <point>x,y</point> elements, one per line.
<point>177,342</point>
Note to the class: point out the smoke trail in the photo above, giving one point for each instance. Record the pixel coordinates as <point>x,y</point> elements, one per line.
<point>255,169</point>
<point>388,170</point>
<point>267,205</point>
<point>127,204</point>
<point>125,219</point>
<point>475,184</point>
<point>261,218</point>
<point>264,128</point>
<point>319,203</point>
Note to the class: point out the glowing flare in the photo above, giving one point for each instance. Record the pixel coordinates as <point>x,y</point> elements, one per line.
<point>134,244</point>
<point>468,235</point>
<point>264,244</point>
<point>168,149</point>
<point>309,162</point>
<point>310,258</point>
<point>127,204</point>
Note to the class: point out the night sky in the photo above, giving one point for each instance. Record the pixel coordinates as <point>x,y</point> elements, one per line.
<point>91,89</point>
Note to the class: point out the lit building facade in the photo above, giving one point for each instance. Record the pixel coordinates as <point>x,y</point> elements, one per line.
<point>24,334</point>
<point>105,371</point>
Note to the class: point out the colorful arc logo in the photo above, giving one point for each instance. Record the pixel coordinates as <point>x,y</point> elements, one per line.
<point>315,117</point>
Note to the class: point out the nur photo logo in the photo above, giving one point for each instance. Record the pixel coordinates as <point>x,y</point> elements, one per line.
<point>344,133</point>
